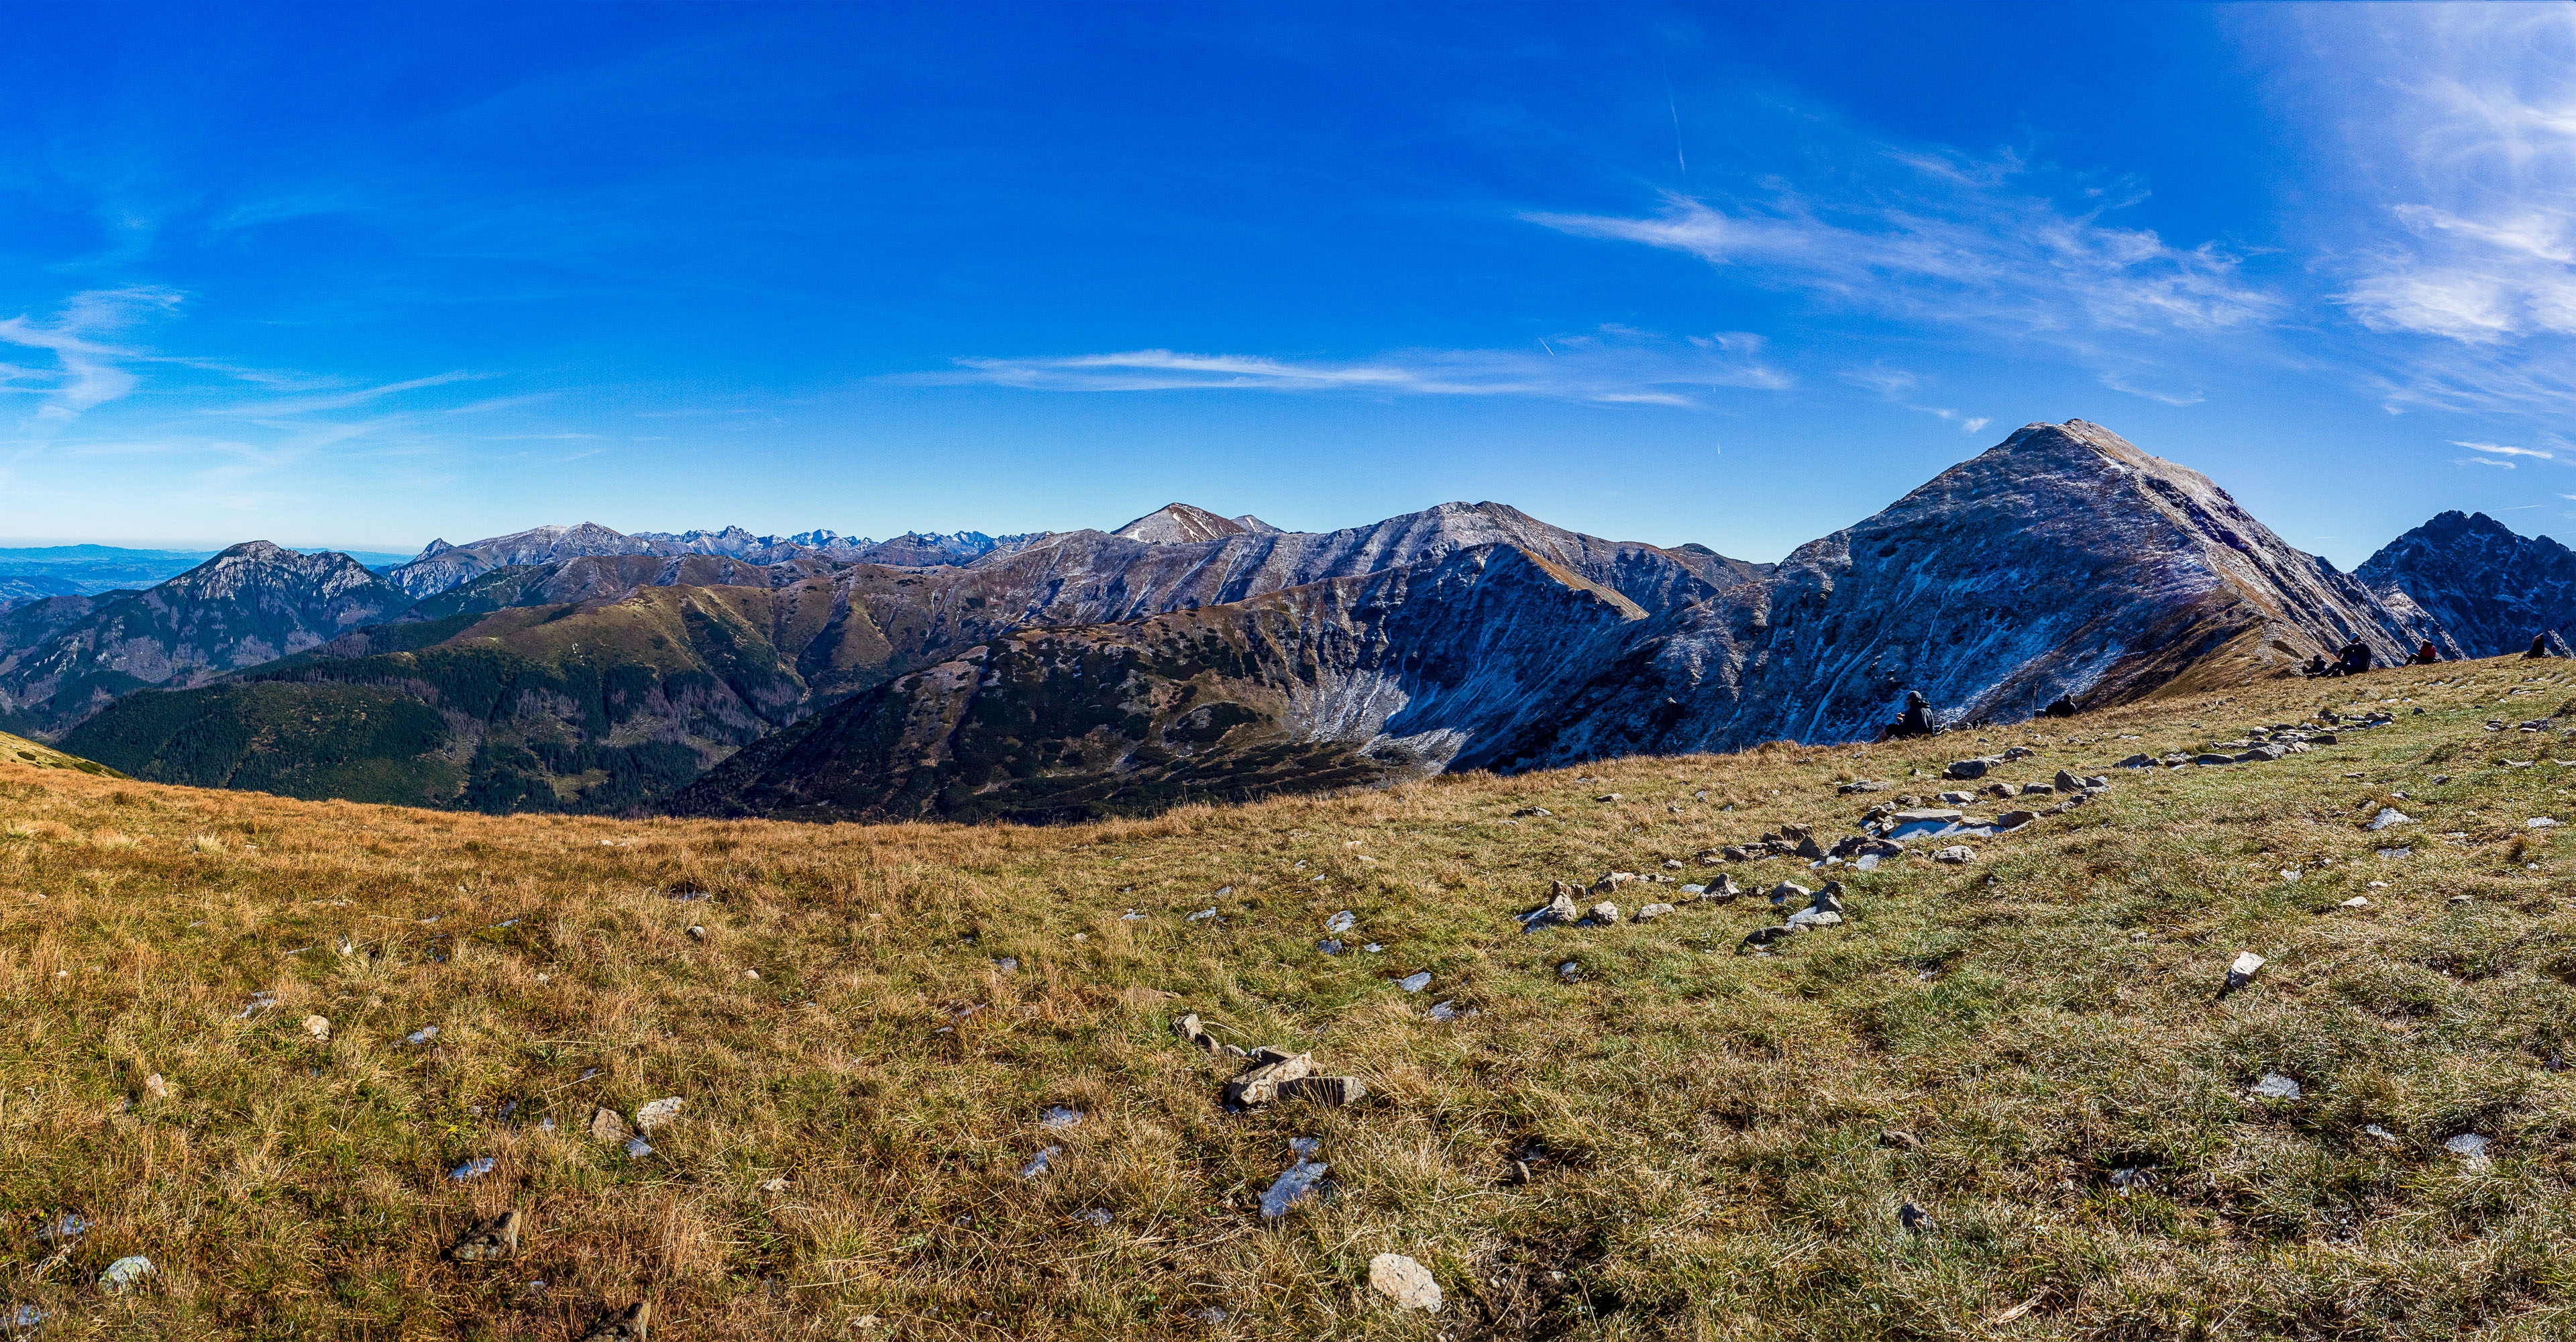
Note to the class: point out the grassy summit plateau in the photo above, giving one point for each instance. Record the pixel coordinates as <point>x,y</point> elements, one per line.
<point>869,1026</point>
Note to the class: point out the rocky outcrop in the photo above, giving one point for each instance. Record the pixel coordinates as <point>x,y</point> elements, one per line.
<point>250,604</point>
<point>2488,587</point>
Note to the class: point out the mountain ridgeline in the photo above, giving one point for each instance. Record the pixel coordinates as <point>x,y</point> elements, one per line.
<point>1193,656</point>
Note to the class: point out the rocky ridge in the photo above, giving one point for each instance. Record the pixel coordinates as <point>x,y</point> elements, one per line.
<point>2063,561</point>
<point>2489,588</point>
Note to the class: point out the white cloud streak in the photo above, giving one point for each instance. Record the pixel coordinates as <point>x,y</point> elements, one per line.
<point>2503,450</point>
<point>89,372</point>
<point>2458,124</point>
<point>1612,368</point>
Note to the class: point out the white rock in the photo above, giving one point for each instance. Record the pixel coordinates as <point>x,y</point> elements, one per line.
<point>319,1027</point>
<point>1955,854</point>
<point>1416,982</point>
<point>1652,912</point>
<point>658,1112</point>
<point>2357,902</point>
<point>1293,1186</point>
<point>2274,1086</point>
<point>1404,1281</point>
<point>2540,822</point>
<point>1605,913</point>
<point>2390,815</point>
<point>125,1272</point>
<point>2469,1147</point>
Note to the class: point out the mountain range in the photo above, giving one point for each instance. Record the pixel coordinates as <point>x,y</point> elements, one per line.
<point>1190,655</point>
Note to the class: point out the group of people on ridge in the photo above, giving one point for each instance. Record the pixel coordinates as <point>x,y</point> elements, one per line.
<point>2356,657</point>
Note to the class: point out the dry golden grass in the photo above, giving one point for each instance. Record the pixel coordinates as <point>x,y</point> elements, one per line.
<point>1702,1130</point>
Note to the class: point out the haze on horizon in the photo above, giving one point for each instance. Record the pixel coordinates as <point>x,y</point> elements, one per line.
<point>364,275</point>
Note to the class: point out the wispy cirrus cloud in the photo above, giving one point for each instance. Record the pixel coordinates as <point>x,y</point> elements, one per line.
<point>2504,450</point>
<point>1947,240</point>
<point>1900,386</point>
<point>1614,367</point>
<point>2458,128</point>
<point>88,371</point>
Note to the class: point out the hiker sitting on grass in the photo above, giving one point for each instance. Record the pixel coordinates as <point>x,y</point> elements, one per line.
<point>1915,721</point>
<point>2427,654</point>
<point>2356,657</point>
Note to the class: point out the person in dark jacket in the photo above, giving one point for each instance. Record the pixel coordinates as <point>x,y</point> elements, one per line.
<point>2356,657</point>
<point>2427,654</point>
<point>2539,646</point>
<point>2316,667</point>
<point>1915,721</point>
<point>2065,707</point>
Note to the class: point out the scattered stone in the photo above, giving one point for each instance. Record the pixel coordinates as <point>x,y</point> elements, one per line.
<point>1787,892</point>
<point>1038,1165</point>
<point>494,1239</point>
<point>1533,810</point>
<point>2459,899</point>
<point>1196,1036</point>
<point>1651,912</point>
<point>1201,914</point>
<point>1099,1216</point>
<point>1261,1084</point>
<point>1858,786</point>
<point>1764,936</point>
<point>1294,1185</point>
<point>2389,815</point>
<point>2274,1086</point>
<point>1958,798</point>
<point>2213,759</point>
<point>2380,1135</point>
<point>2540,822</point>
<point>2011,820</point>
<point>1332,1090</point>
<point>658,1112</point>
<point>1569,971</point>
<point>2397,852</point>
<point>1912,1217</point>
<point>2357,902</point>
<point>122,1274</point>
<point>1330,945</point>
<point>1414,983</point>
<point>631,1324</point>
<point>1901,1140</point>
<point>2130,1179</point>
<point>1968,769</point>
<point>2138,762</point>
<point>1559,911</point>
<point>697,933</point>
<point>1443,1012</point>
<point>422,1035</point>
<point>1954,854</point>
<point>2019,753</point>
<point>1404,1281</point>
<point>1059,1117</point>
<point>607,1125</point>
<point>1340,922</point>
<point>473,1169</point>
<point>2470,1148</point>
<point>1607,796</point>
<point>1605,913</point>
<point>319,1027</point>
<point>775,1184</point>
<point>2241,971</point>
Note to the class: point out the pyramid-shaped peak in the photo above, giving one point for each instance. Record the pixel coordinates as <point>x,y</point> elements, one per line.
<point>1177,523</point>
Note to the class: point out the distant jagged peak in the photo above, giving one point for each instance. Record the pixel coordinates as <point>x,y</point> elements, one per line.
<point>1181,523</point>
<point>554,535</point>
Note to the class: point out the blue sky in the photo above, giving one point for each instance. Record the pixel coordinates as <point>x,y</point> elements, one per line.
<point>1730,274</point>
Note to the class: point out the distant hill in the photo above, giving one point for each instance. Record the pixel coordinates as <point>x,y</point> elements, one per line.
<point>65,657</point>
